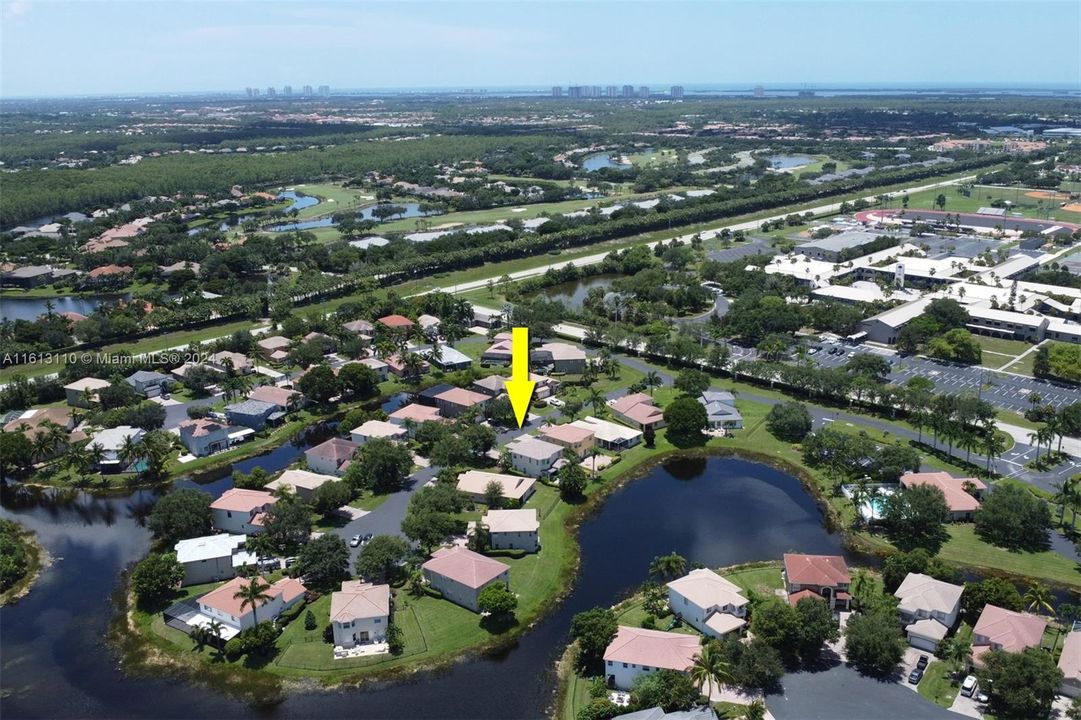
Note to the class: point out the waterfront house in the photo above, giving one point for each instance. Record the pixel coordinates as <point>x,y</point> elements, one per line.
<point>638,410</point>
<point>240,511</point>
<point>499,352</point>
<point>380,368</point>
<point>609,435</point>
<point>359,614</point>
<point>331,457</point>
<point>281,398</point>
<point>1006,630</point>
<point>513,529</point>
<point>474,482</point>
<point>701,595</point>
<point>112,442</point>
<point>84,392</point>
<point>928,608</point>
<point>373,429</point>
<point>302,483</point>
<point>637,651</point>
<point>204,436</point>
<point>461,574</point>
<point>455,401</point>
<point>825,576</point>
<point>962,494</point>
<point>223,605</point>
<point>721,410</point>
<point>571,437</point>
<point>446,358</point>
<point>411,415</point>
<point>254,414</point>
<point>212,557</point>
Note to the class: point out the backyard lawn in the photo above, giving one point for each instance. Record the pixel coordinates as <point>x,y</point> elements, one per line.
<point>965,548</point>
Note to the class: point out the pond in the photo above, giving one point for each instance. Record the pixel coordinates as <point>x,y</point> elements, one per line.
<point>783,162</point>
<point>573,293</point>
<point>299,200</point>
<point>602,160</point>
<point>716,511</point>
<point>30,308</point>
<point>411,210</point>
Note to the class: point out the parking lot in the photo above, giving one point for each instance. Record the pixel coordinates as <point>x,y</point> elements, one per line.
<point>1009,392</point>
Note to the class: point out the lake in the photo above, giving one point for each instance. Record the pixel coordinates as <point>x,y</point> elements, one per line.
<point>411,210</point>
<point>716,511</point>
<point>783,162</point>
<point>602,160</point>
<point>573,293</point>
<point>30,308</point>
<point>299,200</point>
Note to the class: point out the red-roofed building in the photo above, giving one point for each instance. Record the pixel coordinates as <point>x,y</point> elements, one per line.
<point>461,574</point>
<point>638,410</point>
<point>825,575</point>
<point>331,457</point>
<point>240,511</point>
<point>398,365</point>
<point>223,605</point>
<point>396,322</point>
<point>204,436</point>
<point>108,274</point>
<point>1007,630</point>
<point>637,651</point>
<point>962,503</point>
<point>456,401</point>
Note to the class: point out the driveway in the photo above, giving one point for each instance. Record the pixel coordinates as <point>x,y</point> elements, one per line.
<point>841,693</point>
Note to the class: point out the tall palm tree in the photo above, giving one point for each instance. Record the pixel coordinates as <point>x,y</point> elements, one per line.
<point>129,451</point>
<point>652,380</point>
<point>1038,599</point>
<point>956,651</point>
<point>710,667</point>
<point>596,399</point>
<point>96,453</point>
<point>252,595</point>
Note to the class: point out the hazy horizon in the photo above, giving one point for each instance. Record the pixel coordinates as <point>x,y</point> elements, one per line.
<point>125,49</point>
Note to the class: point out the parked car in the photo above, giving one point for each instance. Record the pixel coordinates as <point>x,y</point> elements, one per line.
<point>921,664</point>
<point>367,538</point>
<point>982,697</point>
<point>968,687</point>
<point>556,402</point>
<point>812,351</point>
<point>915,676</point>
<point>354,541</point>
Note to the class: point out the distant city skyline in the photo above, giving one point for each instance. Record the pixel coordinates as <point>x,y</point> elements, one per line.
<point>109,48</point>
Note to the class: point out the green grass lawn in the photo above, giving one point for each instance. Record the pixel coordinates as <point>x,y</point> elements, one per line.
<point>1001,346</point>
<point>762,579</point>
<point>1024,366</point>
<point>965,548</point>
<point>334,198</point>
<point>937,686</point>
<point>983,196</point>
<point>819,161</point>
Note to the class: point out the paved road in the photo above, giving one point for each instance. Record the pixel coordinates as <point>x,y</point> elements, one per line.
<point>841,693</point>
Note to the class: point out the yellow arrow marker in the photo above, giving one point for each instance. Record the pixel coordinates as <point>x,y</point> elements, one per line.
<point>520,387</point>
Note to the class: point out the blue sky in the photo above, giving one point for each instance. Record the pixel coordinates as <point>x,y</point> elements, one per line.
<point>90,47</point>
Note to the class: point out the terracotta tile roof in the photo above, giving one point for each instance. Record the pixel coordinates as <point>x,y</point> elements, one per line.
<point>396,321</point>
<point>570,434</point>
<point>201,427</point>
<point>416,412</point>
<point>105,270</point>
<point>240,500</point>
<point>1013,631</point>
<point>821,570</point>
<point>274,395</point>
<point>653,648</point>
<point>358,600</point>
<point>956,498</point>
<point>794,598</point>
<point>462,397</point>
<point>1070,661</point>
<point>465,566</point>
<point>222,598</point>
<point>336,449</point>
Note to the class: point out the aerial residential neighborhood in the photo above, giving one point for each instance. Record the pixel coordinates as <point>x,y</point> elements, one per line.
<point>584,361</point>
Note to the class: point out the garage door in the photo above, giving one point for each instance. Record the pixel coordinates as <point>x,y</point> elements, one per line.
<point>922,643</point>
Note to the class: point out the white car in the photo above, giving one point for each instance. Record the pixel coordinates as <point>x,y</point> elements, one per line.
<point>556,402</point>
<point>968,687</point>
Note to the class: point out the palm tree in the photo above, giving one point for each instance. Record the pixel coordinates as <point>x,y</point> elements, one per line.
<point>668,566</point>
<point>213,630</point>
<point>129,450</point>
<point>956,651</point>
<point>96,453</point>
<point>861,586</point>
<point>596,399</point>
<point>710,667</point>
<point>1038,599</point>
<point>253,594</point>
<point>652,380</point>
<point>77,460</point>
<point>756,710</point>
